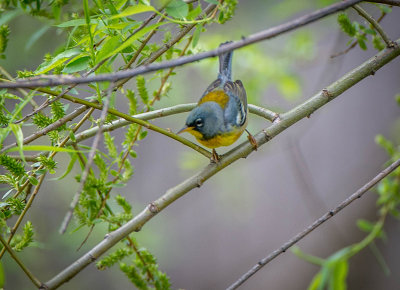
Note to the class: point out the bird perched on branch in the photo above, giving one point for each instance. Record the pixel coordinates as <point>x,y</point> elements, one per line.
<point>220,116</point>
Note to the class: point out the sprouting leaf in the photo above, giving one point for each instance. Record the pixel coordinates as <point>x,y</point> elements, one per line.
<point>346,25</point>
<point>177,9</point>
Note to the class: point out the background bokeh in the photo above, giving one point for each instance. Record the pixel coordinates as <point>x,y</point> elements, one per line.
<point>212,235</point>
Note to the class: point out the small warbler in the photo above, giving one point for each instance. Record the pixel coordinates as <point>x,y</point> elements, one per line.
<point>220,116</point>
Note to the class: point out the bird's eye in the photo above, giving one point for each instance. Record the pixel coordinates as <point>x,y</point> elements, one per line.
<point>199,122</point>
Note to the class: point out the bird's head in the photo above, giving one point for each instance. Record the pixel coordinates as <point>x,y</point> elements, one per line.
<point>205,121</point>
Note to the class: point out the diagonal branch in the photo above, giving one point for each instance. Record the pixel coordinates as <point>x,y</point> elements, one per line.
<point>356,195</point>
<point>374,24</point>
<point>55,80</point>
<point>241,151</point>
<point>88,165</point>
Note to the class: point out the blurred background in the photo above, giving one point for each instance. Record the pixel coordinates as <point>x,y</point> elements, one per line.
<point>212,235</point>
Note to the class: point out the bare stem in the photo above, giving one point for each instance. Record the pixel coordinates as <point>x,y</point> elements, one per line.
<point>356,195</point>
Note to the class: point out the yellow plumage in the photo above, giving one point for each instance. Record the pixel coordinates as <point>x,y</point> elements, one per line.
<point>224,139</point>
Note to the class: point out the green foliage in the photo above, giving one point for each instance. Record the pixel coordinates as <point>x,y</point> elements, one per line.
<point>359,32</point>
<point>22,241</point>
<point>41,120</point>
<point>346,25</point>
<point>113,258</point>
<point>48,163</point>
<point>4,32</point>
<point>12,206</point>
<point>144,272</point>
<point>109,142</point>
<point>15,167</point>
<point>142,90</point>
<point>227,10</point>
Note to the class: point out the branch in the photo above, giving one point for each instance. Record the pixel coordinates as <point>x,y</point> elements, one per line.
<point>356,195</point>
<point>16,259</point>
<point>375,24</point>
<point>55,80</point>
<point>182,108</point>
<point>89,162</point>
<point>49,128</point>
<point>241,151</point>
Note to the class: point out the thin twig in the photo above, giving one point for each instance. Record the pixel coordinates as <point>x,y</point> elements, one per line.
<point>49,128</point>
<point>153,57</point>
<point>92,153</point>
<point>356,195</point>
<point>22,215</point>
<point>44,81</point>
<point>355,42</point>
<point>23,92</point>
<point>19,262</point>
<point>375,24</point>
<point>240,151</point>
<point>164,112</point>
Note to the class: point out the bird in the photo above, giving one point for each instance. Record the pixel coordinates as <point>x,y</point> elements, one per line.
<point>220,116</point>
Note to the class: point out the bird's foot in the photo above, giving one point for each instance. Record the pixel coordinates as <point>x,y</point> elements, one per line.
<point>252,140</point>
<point>215,157</point>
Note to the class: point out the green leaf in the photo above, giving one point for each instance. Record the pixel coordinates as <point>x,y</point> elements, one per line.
<point>19,137</point>
<point>69,167</point>
<point>215,2</point>
<point>130,40</point>
<point>362,44</point>
<point>132,10</point>
<point>56,61</point>
<point>316,282</point>
<point>338,277</point>
<point>42,148</point>
<point>77,64</point>
<point>196,35</point>
<point>108,47</point>
<point>192,15</point>
<point>33,180</point>
<point>365,225</point>
<point>177,9</point>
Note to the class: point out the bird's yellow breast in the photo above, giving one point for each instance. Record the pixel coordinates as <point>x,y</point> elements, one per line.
<point>224,139</point>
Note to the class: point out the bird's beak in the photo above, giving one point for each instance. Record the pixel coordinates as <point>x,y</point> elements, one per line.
<point>185,129</point>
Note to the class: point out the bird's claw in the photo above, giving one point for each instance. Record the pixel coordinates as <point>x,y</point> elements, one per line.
<point>252,140</point>
<point>215,157</point>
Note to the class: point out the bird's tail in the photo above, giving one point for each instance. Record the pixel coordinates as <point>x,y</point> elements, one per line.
<point>225,64</point>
